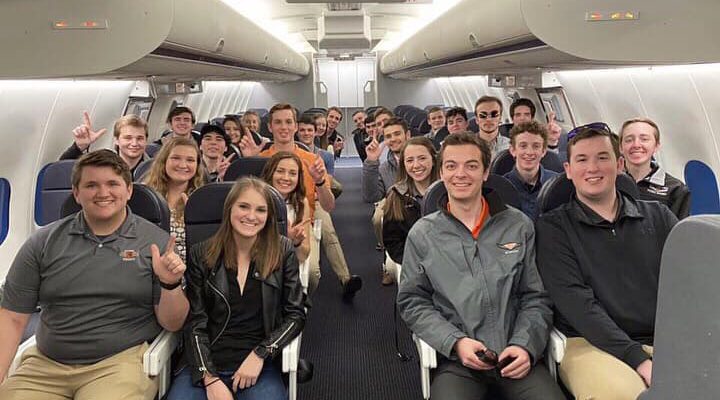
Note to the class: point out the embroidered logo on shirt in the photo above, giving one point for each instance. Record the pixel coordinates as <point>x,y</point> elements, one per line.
<point>128,255</point>
<point>658,190</point>
<point>510,247</point>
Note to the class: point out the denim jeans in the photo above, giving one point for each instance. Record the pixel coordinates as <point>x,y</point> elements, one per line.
<point>269,386</point>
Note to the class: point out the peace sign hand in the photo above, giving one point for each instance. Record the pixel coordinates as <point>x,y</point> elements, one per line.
<point>84,135</point>
<point>296,233</point>
<point>317,170</point>
<point>554,130</point>
<point>223,166</point>
<point>374,149</point>
<point>248,146</point>
<point>168,267</point>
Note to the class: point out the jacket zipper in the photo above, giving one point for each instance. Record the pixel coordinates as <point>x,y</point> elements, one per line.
<point>202,362</point>
<point>227,319</point>
<point>274,345</point>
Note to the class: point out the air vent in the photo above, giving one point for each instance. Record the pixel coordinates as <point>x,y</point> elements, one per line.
<point>344,6</point>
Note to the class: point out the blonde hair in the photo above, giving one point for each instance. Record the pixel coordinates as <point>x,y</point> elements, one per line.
<point>266,252</point>
<point>157,178</point>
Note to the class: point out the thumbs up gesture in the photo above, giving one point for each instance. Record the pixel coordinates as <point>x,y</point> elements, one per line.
<point>168,266</point>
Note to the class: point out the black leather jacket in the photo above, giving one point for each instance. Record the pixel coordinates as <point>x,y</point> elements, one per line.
<point>207,291</point>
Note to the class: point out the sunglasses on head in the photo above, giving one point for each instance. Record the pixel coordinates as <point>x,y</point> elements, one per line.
<point>491,114</point>
<point>599,126</point>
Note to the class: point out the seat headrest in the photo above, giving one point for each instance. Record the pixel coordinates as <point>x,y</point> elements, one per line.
<point>502,163</point>
<point>559,190</point>
<point>141,170</point>
<point>54,184</point>
<point>245,166</point>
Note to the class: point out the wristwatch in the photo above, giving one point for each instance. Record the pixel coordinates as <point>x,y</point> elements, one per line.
<point>321,183</point>
<point>170,286</point>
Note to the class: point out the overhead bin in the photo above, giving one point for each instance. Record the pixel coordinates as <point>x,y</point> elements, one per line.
<point>131,39</point>
<point>478,37</point>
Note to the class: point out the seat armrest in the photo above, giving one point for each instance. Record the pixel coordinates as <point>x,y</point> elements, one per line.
<point>291,355</point>
<point>556,345</point>
<point>24,346</point>
<point>157,356</point>
<point>428,355</point>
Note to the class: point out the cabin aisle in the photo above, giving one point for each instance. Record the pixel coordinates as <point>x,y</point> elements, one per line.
<point>352,345</point>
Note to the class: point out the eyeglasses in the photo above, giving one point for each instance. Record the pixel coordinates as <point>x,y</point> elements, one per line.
<point>600,126</point>
<point>491,114</point>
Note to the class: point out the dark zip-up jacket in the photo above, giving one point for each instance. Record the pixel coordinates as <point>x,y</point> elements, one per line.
<point>603,276</point>
<point>395,232</point>
<point>73,153</point>
<point>660,186</point>
<point>207,291</point>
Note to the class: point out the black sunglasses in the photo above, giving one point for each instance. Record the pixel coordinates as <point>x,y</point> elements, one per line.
<point>491,114</point>
<point>600,126</point>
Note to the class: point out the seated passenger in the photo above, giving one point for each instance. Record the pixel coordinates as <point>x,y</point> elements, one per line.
<point>105,289</point>
<point>470,288</point>
<point>130,138</point>
<point>522,110</point>
<point>307,131</point>
<point>382,115</point>
<point>360,133</point>
<point>528,144</point>
<point>248,266</point>
<point>639,142</point>
<point>379,176</point>
<point>599,257</point>
<point>235,130</point>
<point>488,112</point>
<point>283,171</point>
<point>416,172</point>
<point>214,142</point>
<point>175,174</point>
<point>181,121</point>
<point>335,138</point>
<point>321,137</point>
<point>457,122</point>
<point>436,120</point>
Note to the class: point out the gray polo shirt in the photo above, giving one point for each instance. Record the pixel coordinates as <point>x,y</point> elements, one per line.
<point>97,295</point>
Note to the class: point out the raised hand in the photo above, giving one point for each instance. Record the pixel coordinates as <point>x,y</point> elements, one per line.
<point>223,166</point>
<point>374,149</point>
<point>84,135</point>
<point>248,372</point>
<point>554,130</point>
<point>317,170</point>
<point>296,233</point>
<point>168,267</point>
<point>248,146</point>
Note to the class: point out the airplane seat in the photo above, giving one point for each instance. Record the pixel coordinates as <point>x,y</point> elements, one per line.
<point>504,130</point>
<point>429,106</point>
<point>417,119</point>
<point>199,126</point>
<point>371,110</point>
<point>244,166</point>
<point>473,125</point>
<point>260,111</point>
<point>552,162</point>
<point>264,130</point>
<point>144,202</point>
<point>203,215</point>
<point>152,149</point>
<point>502,163</point>
<point>424,127</point>
<point>141,170</point>
<point>217,121</point>
<point>54,184</point>
<point>701,182</point>
<point>686,344</point>
<point>315,110</point>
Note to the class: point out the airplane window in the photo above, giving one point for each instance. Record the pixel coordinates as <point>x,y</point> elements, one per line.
<point>4,209</point>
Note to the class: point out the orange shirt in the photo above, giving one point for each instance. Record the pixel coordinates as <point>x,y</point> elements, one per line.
<point>307,159</point>
<point>484,214</point>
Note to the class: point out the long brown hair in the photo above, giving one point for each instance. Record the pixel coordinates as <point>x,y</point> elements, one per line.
<point>296,197</point>
<point>324,141</point>
<point>157,178</point>
<point>396,202</point>
<point>266,251</point>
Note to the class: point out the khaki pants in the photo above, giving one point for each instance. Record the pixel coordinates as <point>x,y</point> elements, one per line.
<point>333,251</point>
<point>377,220</point>
<point>119,377</point>
<point>590,373</point>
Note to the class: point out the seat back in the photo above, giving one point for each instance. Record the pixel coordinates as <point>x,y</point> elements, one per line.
<point>141,170</point>
<point>204,211</point>
<point>54,185</point>
<point>473,125</point>
<point>497,183</point>
<point>552,162</point>
<point>559,190</point>
<point>687,322</point>
<point>703,186</point>
<point>502,163</point>
<point>252,166</point>
<point>144,202</point>
<point>152,149</point>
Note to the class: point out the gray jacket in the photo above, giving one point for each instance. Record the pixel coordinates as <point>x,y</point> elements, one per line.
<point>488,289</point>
<point>377,178</point>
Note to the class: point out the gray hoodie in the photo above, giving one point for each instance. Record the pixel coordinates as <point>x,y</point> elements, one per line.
<point>377,178</point>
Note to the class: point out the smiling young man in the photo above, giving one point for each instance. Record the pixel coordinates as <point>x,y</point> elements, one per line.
<point>129,138</point>
<point>599,257</point>
<point>528,144</point>
<point>334,117</point>
<point>488,112</point>
<point>181,121</point>
<point>105,290</point>
<point>436,120</point>
<point>469,284</point>
<point>214,142</point>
